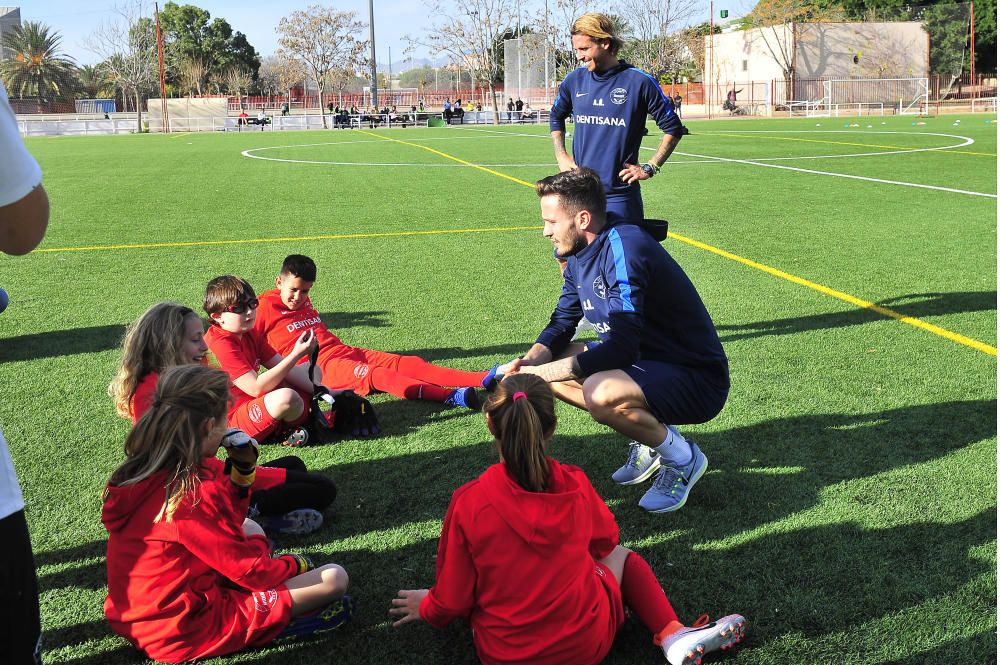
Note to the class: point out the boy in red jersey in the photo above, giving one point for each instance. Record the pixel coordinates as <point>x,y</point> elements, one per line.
<point>261,402</point>
<point>286,311</point>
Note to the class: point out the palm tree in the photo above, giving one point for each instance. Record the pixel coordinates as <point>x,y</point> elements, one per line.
<point>38,68</point>
<point>93,83</point>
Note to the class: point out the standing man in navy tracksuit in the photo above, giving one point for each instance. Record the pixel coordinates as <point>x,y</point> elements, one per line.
<point>609,101</point>
<point>658,363</point>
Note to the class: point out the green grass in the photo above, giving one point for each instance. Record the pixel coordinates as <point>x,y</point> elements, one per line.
<point>850,507</point>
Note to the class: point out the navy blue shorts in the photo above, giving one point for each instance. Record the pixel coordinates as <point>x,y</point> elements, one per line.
<point>680,395</point>
<point>625,207</point>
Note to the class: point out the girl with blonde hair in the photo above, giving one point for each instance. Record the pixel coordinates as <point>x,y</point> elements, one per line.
<point>188,576</point>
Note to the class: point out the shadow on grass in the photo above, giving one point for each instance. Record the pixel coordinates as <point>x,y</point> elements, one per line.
<point>916,305</point>
<point>505,351</point>
<point>58,343</point>
<point>803,580</point>
<point>343,320</point>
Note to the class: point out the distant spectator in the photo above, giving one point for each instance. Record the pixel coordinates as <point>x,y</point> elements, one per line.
<point>242,120</point>
<point>677,104</point>
<point>510,109</point>
<point>518,107</point>
<point>261,119</point>
<point>447,109</point>
<point>284,109</point>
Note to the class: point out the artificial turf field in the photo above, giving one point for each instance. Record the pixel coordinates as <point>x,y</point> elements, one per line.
<point>849,509</point>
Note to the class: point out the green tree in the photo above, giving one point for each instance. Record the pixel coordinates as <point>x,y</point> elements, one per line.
<point>93,83</point>
<point>38,68</point>
<point>191,35</point>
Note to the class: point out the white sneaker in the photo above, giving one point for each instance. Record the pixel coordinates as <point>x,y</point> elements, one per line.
<point>689,645</point>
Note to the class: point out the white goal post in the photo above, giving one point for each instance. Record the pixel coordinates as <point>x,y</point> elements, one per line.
<point>907,96</point>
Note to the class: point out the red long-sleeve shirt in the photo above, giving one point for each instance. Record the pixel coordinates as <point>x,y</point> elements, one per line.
<point>168,581</point>
<point>521,567</point>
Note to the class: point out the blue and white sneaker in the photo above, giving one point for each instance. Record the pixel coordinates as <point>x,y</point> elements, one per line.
<point>688,645</point>
<point>298,522</point>
<point>671,487</point>
<point>642,462</point>
<point>331,617</point>
<point>466,397</point>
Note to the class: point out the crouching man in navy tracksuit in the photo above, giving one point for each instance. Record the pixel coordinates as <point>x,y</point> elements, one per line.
<point>658,363</point>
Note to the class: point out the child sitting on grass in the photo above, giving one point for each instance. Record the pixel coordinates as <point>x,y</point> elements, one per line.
<point>287,310</point>
<point>272,404</point>
<point>529,554</point>
<point>188,576</point>
<point>286,499</point>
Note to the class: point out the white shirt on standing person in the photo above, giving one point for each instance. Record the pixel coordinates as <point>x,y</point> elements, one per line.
<point>19,176</point>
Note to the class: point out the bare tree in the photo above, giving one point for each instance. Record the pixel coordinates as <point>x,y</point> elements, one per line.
<point>775,23</point>
<point>237,80</point>
<point>652,42</point>
<point>192,73</point>
<point>324,39</point>
<point>468,31</point>
<point>127,48</point>
<point>560,21</point>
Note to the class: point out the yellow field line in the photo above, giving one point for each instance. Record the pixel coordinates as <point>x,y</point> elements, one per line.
<point>452,158</point>
<point>884,311</point>
<point>846,297</point>
<point>344,236</point>
<point>856,145</point>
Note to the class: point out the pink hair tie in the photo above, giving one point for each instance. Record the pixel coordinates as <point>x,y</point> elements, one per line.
<point>518,395</point>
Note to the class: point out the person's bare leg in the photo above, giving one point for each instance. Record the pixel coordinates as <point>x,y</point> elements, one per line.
<point>614,399</point>
<point>316,588</point>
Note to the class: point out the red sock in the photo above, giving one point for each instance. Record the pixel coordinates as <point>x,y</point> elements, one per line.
<point>418,368</point>
<point>642,592</point>
<point>401,385</point>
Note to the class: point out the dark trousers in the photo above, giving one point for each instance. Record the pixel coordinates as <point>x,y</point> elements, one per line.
<point>302,489</point>
<point>20,627</point>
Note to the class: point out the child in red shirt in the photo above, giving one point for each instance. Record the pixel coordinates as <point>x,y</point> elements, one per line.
<point>286,499</point>
<point>287,311</point>
<point>188,577</point>
<point>261,402</point>
<point>529,554</point>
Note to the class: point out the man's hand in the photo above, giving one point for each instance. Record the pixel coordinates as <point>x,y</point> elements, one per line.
<point>633,173</point>
<point>407,606</point>
<point>565,162</point>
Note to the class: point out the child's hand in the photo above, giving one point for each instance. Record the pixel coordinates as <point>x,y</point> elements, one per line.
<point>407,606</point>
<point>304,344</point>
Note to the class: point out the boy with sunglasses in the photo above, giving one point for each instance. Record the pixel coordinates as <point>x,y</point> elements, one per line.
<point>261,403</point>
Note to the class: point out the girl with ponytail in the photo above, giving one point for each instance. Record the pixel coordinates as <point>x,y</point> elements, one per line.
<point>188,576</point>
<point>529,554</point>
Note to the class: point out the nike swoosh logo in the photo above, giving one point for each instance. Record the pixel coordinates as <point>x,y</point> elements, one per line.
<point>581,94</point>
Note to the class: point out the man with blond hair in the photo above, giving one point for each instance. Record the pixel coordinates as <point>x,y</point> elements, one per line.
<point>609,100</point>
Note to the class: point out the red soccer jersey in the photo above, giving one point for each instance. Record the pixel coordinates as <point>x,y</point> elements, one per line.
<point>145,392</point>
<point>521,567</point>
<point>237,355</point>
<point>281,327</point>
<point>171,582</point>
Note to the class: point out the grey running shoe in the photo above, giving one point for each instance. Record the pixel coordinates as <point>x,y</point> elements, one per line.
<point>642,462</point>
<point>671,487</point>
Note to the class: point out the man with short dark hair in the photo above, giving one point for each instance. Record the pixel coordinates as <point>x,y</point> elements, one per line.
<point>659,362</point>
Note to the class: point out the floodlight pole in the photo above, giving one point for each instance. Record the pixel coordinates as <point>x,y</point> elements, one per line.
<point>163,84</point>
<point>371,39</point>
<point>972,54</point>
<point>711,41</point>
<point>547,52</point>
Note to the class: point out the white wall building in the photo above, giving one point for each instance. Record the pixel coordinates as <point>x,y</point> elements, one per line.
<point>818,51</point>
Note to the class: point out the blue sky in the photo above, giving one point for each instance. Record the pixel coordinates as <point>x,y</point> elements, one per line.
<point>257,19</point>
